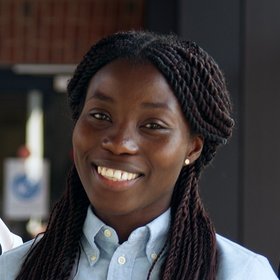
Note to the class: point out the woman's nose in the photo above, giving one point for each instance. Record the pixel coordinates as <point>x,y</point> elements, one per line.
<point>121,142</point>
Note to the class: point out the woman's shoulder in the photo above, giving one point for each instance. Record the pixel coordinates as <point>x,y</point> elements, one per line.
<point>11,261</point>
<point>238,263</point>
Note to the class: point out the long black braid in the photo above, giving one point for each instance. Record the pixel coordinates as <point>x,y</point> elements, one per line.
<point>200,88</point>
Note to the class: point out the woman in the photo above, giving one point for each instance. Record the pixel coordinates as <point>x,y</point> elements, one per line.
<point>149,113</point>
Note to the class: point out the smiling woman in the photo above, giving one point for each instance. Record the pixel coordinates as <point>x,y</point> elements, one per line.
<point>149,113</point>
<point>130,144</point>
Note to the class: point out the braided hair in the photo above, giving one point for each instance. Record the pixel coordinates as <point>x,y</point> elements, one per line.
<point>199,85</point>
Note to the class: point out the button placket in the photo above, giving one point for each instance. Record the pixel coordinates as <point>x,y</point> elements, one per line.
<point>121,264</point>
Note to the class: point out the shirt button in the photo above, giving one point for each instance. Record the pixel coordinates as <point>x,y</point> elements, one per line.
<point>107,233</point>
<point>121,260</point>
<point>154,256</point>
<point>93,258</point>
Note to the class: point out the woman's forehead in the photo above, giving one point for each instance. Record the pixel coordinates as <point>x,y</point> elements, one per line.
<point>123,73</point>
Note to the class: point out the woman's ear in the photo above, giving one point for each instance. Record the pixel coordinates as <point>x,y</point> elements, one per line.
<point>194,150</point>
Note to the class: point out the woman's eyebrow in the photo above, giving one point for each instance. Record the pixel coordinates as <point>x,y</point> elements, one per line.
<point>101,96</point>
<point>156,105</point>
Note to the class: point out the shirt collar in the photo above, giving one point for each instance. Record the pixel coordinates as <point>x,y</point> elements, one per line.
<point>158,231</point>
<point>92,226</point>
<point>154,234</point>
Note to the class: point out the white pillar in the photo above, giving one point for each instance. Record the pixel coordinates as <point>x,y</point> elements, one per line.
<point>34,126</point>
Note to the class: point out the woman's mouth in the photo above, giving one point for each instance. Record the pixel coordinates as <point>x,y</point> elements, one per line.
<point>115,174</point>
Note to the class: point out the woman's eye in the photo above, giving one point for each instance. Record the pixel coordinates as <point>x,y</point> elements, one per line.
<point>101,116</point>
<point>154,126</point>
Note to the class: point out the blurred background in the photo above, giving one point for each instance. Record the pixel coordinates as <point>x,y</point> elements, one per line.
<point>41,41</point>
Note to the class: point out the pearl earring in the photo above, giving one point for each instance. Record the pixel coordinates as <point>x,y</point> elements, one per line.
<point>187,161</point>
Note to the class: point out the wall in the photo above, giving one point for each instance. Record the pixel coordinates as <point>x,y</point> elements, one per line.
<point>60,31</point>
<point>261,226</point>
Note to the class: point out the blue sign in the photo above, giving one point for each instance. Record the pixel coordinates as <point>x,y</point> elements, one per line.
<point>25,188</point>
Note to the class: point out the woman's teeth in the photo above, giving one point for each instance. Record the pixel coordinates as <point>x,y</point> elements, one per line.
<point>116,175</point>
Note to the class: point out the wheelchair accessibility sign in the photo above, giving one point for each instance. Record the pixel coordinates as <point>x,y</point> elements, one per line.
<point>26,188</point>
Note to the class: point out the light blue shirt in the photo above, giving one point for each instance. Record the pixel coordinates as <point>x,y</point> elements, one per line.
<point>102,257</point>
<point>106,259</point>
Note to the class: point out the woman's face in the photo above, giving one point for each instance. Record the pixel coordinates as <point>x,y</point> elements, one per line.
<point>131,140</point>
